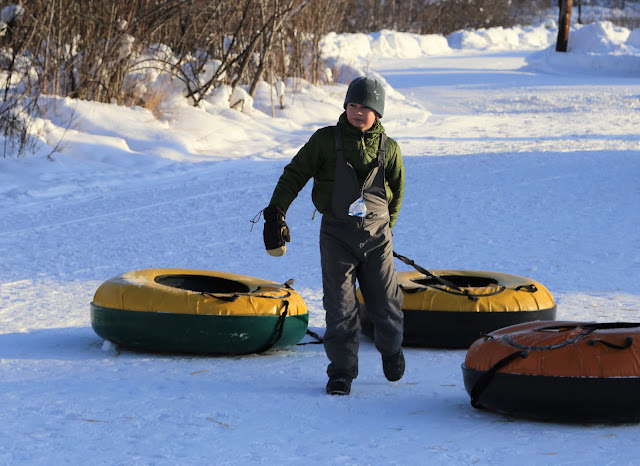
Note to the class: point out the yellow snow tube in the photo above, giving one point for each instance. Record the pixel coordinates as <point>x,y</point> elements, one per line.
<point>441,316</point>
<point>496,292</point>
<point>198,311</point>
<point>203,292</point>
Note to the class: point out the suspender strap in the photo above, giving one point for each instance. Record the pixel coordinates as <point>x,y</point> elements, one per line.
<point>338,142</point>
<point>382,150</point>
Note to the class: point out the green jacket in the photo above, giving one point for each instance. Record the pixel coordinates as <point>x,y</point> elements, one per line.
<point>317,160</point>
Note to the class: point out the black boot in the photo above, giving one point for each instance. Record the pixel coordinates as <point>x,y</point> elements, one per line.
<point>339,386</point>
<point>393,366</point>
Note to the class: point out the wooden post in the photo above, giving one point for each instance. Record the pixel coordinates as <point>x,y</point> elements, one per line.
<point>564,24</point>
<point>579,11</point>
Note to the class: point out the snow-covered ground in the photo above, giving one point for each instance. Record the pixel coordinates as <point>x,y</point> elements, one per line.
<point>519,160</point>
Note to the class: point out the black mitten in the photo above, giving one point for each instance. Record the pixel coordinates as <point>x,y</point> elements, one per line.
<point>276,231</point>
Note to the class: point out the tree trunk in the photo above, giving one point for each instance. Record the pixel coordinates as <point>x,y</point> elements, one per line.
<point>564,24</point>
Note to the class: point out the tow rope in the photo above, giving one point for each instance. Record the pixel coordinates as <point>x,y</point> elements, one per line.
<point>279,329</point>
<point>231,297</point>
<point>440,280</point>
<point>318,338</point>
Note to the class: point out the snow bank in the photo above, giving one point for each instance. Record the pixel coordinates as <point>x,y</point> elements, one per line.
<point>593,48</point>
<point>501,39</point>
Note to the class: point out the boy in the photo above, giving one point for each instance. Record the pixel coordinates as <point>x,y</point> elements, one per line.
<point>358,184</point>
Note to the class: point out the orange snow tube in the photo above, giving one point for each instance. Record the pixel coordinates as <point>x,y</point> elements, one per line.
<point>553,370</point>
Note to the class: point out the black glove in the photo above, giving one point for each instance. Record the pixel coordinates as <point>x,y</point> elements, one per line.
<point>276,231</point>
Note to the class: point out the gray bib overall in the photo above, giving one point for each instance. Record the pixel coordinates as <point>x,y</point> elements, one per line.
<point>358,248</point>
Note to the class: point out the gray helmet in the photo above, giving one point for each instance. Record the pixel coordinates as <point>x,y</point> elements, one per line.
<point>368,92</point>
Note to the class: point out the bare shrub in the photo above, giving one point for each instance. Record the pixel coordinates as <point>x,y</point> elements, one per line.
<point>20,87</point>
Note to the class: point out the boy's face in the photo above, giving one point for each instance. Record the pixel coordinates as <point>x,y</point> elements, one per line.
<point>360,116</point>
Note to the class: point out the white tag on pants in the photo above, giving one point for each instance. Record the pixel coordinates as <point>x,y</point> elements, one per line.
<point>358,208</point>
